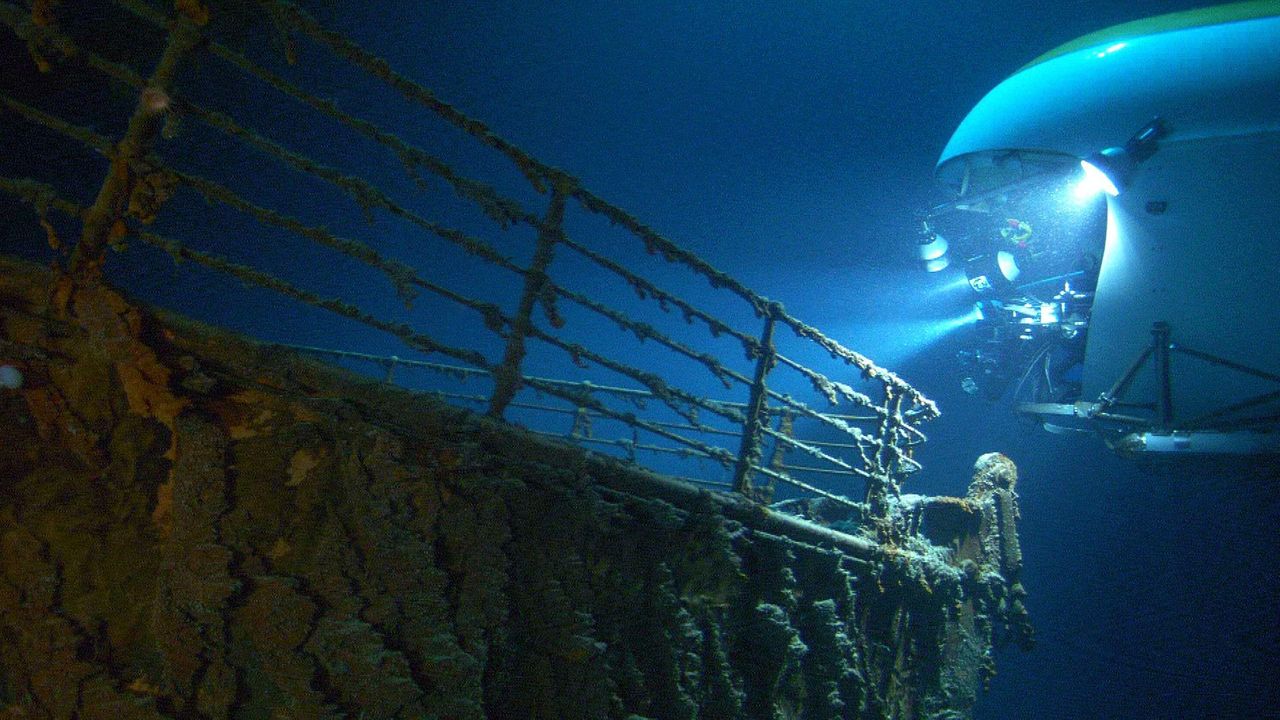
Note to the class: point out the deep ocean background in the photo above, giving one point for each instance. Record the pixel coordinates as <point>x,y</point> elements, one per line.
<point>791,145</point>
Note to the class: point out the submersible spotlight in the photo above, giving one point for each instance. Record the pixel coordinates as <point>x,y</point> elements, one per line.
<point>937,264</point>
<point>1109,170</point>
<point>932,251</point>
<point>1103,172</point>
<point>991,273</point>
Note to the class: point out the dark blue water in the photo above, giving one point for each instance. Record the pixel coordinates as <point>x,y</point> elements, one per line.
<point>790,144</point>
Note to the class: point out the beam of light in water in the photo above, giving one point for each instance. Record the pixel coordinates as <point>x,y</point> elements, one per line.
<point>954,287</point>
<point>898,315</point>
<point>892,342</point>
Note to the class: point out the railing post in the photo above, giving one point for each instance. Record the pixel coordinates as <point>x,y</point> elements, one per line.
<point>102,220</point>
<point>778,458</point>
<point>507,375</point>
<point>883,484</point>
<point>749,452</point>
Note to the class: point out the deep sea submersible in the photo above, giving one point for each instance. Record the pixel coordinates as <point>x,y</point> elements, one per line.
<point>1149,319</point>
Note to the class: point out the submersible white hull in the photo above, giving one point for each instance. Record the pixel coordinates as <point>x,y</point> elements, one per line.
<point>1182,348</point>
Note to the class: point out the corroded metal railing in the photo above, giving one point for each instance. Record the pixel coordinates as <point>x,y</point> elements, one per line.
<point>139,182</point>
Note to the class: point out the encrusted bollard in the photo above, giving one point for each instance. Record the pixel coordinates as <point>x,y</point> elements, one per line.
<point>993,491</point>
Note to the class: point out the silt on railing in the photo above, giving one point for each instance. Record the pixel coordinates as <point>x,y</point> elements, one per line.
<point>139,182</point>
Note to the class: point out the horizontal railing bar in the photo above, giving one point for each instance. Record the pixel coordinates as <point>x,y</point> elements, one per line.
<point>401,275</point>
<point>455,369</point>
<point>623,443</point>
<point>644,331</point>
<point>718,454</point>
<point>646,289</point>
<point>783,478</point>
<point>482,399</point>
<point>798,408</point>
<point>829,388</point>
<point>387,360</point>
<point>701,481</point>
<point>344,48</point>
<point>585,385</point>
<point>670,251</point>
<point>270,282</point>
<point>805,468</point>
<point>392,360</point>
<point>928,409</point>
<point>815,452</point>
<point>384,359</point>
<point>696,428</point>
<point>572,411</point>
<point>39,196</point>
<point>252,276</point>
<point>502,209</point>
<point>90,139</point>
<point>842,446</point>
<point>663,392</point>
<point>660,423</point>
<point>594,415</point>
<point>365,194</point>
<point>848,418</point>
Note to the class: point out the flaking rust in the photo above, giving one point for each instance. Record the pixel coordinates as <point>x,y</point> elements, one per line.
<point>280,536</point>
